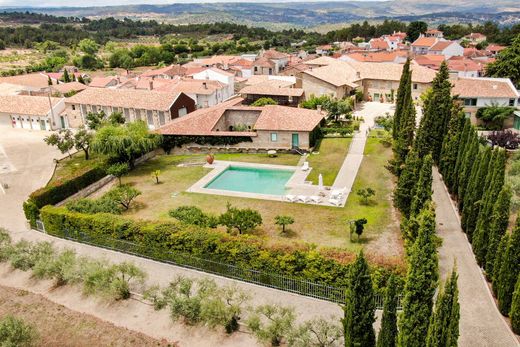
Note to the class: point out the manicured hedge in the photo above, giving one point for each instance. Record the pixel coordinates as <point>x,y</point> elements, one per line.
<point>251,252</point>
<point>60,190</point>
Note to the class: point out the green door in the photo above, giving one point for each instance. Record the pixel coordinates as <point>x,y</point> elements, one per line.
<point>295,140</point>
<point>516,123</point>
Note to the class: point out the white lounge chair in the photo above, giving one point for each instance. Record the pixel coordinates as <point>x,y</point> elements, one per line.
<point>337,193</point>
<point>303,198</point>
<point>335,202</point>
<point>305,166</point>
<point>291,198</point>
<point>316,199</point>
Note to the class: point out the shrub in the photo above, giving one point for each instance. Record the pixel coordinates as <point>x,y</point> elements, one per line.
<point>24,255</point>
<point>118,170</point>
<point>366,194</point>
<point>318,332</point>
<point>5,245</point>
<point>271,324</point>
<point>194,216</point>
<point>63,268</point>
<point>184,301</point>
<point>283,221</point>
<point>264,101</point>
<point>96,276</point>
<point>14,332</point>
<point>90,206</point>
<point>243,220</point>
<point>123,275</point>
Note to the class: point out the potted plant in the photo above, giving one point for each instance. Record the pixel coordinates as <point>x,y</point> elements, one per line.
<point>210,158</point>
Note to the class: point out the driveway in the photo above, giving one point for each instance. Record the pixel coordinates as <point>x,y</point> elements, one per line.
<point>480,322</point>
<point>26,163</point>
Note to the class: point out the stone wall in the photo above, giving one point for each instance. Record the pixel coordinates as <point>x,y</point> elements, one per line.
<point>314,86</point>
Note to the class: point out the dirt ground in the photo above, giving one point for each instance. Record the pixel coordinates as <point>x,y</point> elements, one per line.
<point>59,326</point>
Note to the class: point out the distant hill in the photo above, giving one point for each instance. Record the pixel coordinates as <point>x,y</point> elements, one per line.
<point>303,14</point>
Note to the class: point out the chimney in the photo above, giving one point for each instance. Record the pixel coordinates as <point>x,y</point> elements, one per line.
<point>318,107</point>
<point>358,74</point>
<point>150,85</point>
<point>205,85</point>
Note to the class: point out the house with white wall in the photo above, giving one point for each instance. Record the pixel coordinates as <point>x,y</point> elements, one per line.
<point>447,49</point>
<point>32,112</point>
<point>215,74</point>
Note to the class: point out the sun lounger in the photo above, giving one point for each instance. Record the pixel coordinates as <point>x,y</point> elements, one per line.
<point>303,198</point>
<point>291,198</point>
<point>316,199</point>
<point>335,202</point>
<point>336,193</point>
<point>305,166</point>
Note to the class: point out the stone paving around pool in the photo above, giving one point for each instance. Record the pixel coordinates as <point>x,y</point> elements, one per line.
<point>297,186</point>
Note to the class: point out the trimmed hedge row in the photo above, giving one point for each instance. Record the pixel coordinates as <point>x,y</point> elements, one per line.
<point>60,190</point>
<point>301,261</point>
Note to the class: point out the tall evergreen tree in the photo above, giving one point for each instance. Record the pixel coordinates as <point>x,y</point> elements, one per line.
<point>497,265</point>
<point>509,270</point>
<point>406,183</point>
<point>421,282</point>
<point>400,98</point>
<point>467,166</point>
<point>359,306</point>
<point>444,322</point>
<point>436,116</point>
<point>515,308</point>
<point>66,77</point>
<point>474,191</point>
<point>387,336</point>
<point>423,188</point>
<point>481,234</point>
<point>498,227</point>
<point>450,145</point>
<point>463,145</point>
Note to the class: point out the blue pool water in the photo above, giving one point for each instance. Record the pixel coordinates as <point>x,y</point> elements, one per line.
<point>251,180</point>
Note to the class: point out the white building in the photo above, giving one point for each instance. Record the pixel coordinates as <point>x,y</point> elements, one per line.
<point>32,112</point>
<point>215,74</point>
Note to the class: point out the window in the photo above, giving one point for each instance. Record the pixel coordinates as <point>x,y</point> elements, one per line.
<point>127,114</point>
<point>511,102</point>
<point>137,114</point>
<point>149,115</point>
<point>274,137</point>
<point>470,102</point>
<point>415,86</point>
<point>83,110</point>
<point>94,108</point>
<point>161,118</point>
<point>73,107</point>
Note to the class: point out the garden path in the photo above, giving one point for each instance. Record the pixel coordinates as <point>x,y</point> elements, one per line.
<point>480,321</point>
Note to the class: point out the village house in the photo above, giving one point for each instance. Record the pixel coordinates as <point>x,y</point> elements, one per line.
<point>66,89</point>
<point>278,90</point>
<point>32,112</point>
<point>378,44</point>
<point>475,38</point>
<point>153,107</point>
<point>324,49</point>
<point>434,33</point>
<point>476,93</point>
<point>105,82</point>
<point>447,49</point>
<point>24,84</point>
<point>261,128</point>
<point>379,82</point>
<point>423,44</point>
<point>494,49</point>
<point>227,80</point>
<point>397,57</point>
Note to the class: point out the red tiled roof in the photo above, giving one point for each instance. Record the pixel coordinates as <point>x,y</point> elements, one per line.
<point>26,105</point>
<point>484,87</point>
<point>274,54</point>
<point>378,44</point>
<point>424,42</point>
<point>172,70</point>
<point>283,118</point>
<point>441,45</point>
<point>101,82</point>
<point>271,88</point>
<point>263,62</point>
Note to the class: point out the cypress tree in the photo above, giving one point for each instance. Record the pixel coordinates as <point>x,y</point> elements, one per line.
<point>423,188</point>
<point>463,144</point>
<point>49,80</point>
<point>450,145</point>
<point>509,270</point>
<point>474,193</point>
<point>498,227</point>
<point>481,234</point>
<point>359,306</point>
<point>444,323</point>
<point>467,165</point>
<point>436,116</point>
<point>388,333</point>
<point>399,99</point>
<point>515,308</point>
<point>66,77</point>
<point>421,282</point>
<point>405,185</point>
<point>497,265</point>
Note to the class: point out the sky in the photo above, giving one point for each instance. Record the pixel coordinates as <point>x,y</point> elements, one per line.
<point>73,3</point>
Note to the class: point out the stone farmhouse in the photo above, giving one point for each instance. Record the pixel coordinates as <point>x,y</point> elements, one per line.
<point>260,128</point>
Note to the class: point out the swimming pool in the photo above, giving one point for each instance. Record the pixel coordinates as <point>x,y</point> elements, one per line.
<point>251,180</point>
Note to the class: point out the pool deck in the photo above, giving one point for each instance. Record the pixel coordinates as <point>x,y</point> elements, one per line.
<point>297,185</point>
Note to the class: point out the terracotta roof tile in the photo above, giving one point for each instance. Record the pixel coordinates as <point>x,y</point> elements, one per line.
<point>101,82</point>
<point>26,105</point>
<point>69,87</point>
<point>424,41</point>
<point>441,45</point>
<point>271,87</point>
<point>35,80</point>
<point>285,118</point>
<point>484,87</point>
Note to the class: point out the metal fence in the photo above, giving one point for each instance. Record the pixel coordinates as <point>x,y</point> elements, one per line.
<point>267,279</point>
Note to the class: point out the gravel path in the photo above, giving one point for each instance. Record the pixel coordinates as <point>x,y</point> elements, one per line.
<point>480,323</point>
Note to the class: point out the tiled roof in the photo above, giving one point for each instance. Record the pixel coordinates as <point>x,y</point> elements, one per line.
<point>274,54</point>
<point>475,36</point>
<point>128,98</point>
<point>337,74</point>
<point>378,44</point>
<point>377,57</point>
<point>275,118</point>
<point>321,61</point>
<point>441,45</point>
<point>69,87</point>
<point>263,62</point>
<point>495,48</point>
<point>464,65</point>
<point>171,70</point>
<point>271,87</point>
<point>190,86</point>
<point>283,118</point>
<point>281,81</point>
<point>484,87</point>
<point>35,80</point>
<point>424,41</point>
<point>219,59</point>
<point>101,82</point>
<point>26,105</point>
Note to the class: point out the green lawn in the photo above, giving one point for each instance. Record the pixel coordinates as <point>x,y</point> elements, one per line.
<point>280,159</point>
<point>332,152</point>
<point>320,225</point>
<point>69,166</point>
